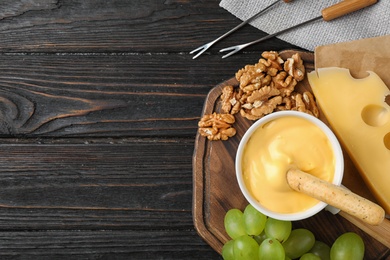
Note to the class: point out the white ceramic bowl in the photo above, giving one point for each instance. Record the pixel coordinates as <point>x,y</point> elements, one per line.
<point>338,174</point>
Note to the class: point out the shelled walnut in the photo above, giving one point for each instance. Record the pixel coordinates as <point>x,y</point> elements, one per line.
<point>263,88</point>
<point>217,126</point>
<point>268,86</point>
<point>231,100</point>
<point>295,68</point>
<point>260,72</point>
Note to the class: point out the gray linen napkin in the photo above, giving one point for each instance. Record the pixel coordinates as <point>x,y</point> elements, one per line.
<point>366,23</point>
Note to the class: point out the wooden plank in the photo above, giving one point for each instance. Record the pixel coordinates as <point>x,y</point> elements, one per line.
<point>35,218</point>
<point>116,26</point>
<point>96,185</point>
<point>105,244</point>
<point>72,199</point>
<point>106,95</point>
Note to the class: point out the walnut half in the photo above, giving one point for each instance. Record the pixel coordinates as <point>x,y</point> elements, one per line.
<point>217,126</point>
<point>230,100</point>
<point>294,67</point>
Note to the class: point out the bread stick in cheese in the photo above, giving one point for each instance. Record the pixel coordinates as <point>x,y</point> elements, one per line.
<point>336,196</point>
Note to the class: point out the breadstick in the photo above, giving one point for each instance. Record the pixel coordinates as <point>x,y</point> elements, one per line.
<point>336,196</point>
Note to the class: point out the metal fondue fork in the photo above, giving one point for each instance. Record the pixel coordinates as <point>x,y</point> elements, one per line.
<point>328,14</point>
<point>206,46</point>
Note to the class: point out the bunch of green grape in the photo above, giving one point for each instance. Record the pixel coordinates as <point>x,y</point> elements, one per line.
<point>254,236</point>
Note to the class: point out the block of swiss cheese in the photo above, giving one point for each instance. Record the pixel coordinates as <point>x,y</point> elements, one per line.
<point>360,118</point>
<point>358,57</point>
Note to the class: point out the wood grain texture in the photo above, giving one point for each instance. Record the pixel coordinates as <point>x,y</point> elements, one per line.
<point>216,189</point>
<point>99,103</point>
<point>73,198</point>
<point>150,26</point>
<point>105,95</point>
<point>97,121</point>
<point>104,245</point>
<point>93,95</point>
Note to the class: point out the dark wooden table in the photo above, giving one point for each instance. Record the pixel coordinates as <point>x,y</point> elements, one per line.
<point>99,104</point>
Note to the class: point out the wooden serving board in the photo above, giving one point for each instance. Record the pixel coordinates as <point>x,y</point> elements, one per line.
<point>216,189</point>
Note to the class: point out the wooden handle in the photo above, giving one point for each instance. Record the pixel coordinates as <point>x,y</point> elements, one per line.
<point>345,7</point>
<point>336,196</point>
<point>287,1</point>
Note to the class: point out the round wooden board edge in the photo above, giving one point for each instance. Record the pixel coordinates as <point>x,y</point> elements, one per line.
<point>198,170</point>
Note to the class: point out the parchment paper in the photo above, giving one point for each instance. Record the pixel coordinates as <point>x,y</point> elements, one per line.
<point>372,54</point>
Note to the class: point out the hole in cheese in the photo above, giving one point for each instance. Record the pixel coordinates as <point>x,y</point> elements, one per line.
<point>375,115</point>
<point>386,140</point>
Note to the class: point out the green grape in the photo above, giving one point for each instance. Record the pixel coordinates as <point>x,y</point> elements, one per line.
<point>245,248</point>
<point>271,249</point>
<point>228,250</point>
<point>321,249</point>
<point>278,229</point>
<point>254,220</point>
<point>260,238</point>
<point>309,256</point>
<point>348,246</point>
<point>299,242</point>
<point>234,223</point>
